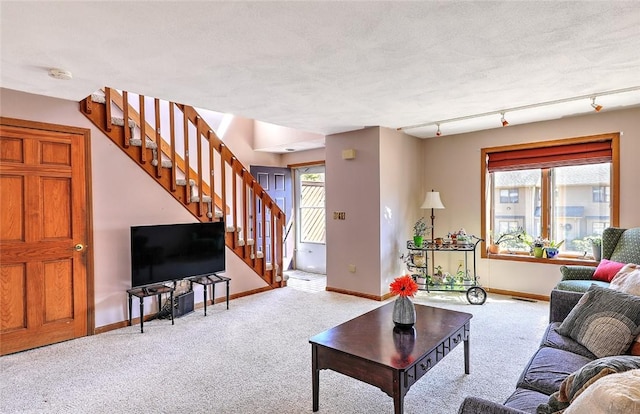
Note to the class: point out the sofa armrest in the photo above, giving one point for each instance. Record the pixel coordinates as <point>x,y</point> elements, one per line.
<point>560,304</point>
<point>474,405</point>
<point>577,272</point>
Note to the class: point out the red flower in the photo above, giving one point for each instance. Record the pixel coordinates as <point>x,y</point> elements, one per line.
<point>404,286</point>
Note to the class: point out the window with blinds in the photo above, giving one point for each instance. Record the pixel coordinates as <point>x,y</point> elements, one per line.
<point>566,190</point>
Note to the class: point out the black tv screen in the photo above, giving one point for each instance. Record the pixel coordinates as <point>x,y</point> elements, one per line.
<point>164,253</point>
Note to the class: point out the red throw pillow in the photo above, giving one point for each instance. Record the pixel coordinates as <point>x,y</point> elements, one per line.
<point>635,346</point>
<point>606,270</point>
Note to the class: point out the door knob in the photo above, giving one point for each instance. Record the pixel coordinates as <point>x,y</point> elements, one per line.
<point>79,247</point>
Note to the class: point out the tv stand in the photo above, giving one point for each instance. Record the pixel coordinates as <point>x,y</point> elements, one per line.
<point>206,281</point>
<point>146,291</point>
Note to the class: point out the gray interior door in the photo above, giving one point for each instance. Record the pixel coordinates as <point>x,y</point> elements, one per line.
<point>276,181</point>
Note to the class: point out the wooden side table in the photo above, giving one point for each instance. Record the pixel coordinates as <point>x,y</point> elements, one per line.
<point>143,292</point>
<point>210,280</point>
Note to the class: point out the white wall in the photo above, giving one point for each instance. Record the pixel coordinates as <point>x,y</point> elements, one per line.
<point>353,186</point>
<point>124,195</point>
<point>452,166</point>
<point>379,191</point>
<point>300,157</point>
<point>400,193</point>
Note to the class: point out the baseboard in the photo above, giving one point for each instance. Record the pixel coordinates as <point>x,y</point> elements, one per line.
<point>200,305</point>
<point>358,294</point>
<point>518,294</point>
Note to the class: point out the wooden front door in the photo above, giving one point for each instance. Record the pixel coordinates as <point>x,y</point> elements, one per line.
<point>43,234</point>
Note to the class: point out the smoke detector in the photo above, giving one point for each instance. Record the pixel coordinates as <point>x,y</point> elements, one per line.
<point>60,74</point>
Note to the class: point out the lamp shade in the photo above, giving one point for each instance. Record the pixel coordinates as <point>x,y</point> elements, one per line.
<point>432,200</point>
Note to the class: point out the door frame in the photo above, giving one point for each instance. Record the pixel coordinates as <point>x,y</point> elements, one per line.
<point>89,263</point>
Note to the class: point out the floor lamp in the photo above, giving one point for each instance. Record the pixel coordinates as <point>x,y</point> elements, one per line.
<point>432,201</point>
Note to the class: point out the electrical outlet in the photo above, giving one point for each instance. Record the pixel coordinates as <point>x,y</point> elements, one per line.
<point>352,268</point>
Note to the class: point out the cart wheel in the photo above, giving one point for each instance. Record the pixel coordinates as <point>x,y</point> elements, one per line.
<point>476,295</point>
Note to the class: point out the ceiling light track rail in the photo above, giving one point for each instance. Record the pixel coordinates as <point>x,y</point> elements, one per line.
<point>591,96</point>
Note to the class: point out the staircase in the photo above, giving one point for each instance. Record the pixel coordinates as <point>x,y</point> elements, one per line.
<point>181,152</point>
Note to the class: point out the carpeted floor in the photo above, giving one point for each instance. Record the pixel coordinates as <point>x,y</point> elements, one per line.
<point>256,358</point>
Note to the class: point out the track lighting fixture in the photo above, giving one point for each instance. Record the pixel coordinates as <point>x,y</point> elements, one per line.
<point>504,121</point>
<point>595,106</point>
<point>503,111</point>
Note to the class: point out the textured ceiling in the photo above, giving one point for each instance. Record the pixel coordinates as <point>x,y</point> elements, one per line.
<point>329,67</point>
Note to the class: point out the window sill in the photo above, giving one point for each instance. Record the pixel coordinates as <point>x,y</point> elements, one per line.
<point>527,258</point>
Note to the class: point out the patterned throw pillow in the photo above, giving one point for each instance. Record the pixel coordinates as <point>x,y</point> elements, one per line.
<point>604,321</point>
<point>613,394</point>
<point>627,280</point>
<point>578,382</point>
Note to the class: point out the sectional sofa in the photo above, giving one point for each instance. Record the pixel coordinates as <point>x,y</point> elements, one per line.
<point>564,362</point>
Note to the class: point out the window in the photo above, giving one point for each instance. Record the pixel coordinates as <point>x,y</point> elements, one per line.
<point>508,226</point>
<point>509,195</point>
<point>312,208</point>
<point>555,190</point>
<point>601,194</point>
<point>597,227</point>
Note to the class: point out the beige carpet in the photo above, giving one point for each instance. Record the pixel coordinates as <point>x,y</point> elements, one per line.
<point>255,358</point>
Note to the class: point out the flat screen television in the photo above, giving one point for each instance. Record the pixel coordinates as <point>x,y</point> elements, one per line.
<point>164,253</point>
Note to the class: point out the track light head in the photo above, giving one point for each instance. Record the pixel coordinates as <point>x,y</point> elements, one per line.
<point>595,106</point>
<point>504,121</point>
<point>438,133</point>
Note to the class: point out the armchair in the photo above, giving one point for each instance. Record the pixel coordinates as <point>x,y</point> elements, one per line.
<point>619,245</point>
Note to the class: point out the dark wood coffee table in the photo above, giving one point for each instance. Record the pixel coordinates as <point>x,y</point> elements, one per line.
<point>368,348</point>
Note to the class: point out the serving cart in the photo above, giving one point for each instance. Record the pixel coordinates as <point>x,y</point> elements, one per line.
<point>432,279</point>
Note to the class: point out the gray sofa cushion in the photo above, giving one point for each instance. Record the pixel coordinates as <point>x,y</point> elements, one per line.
<point>548,368</point>
<point>475,405</point>
<point>605,321</point>
<point>553,339</point>
<point>526,400</point>
<point>579,285</point>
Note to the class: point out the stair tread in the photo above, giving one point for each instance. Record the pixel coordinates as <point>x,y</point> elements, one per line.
<point>120,122</point>
<point>183,182</point>
<point>98,98</point>
<point>205,199</point>
<point>137,142</point>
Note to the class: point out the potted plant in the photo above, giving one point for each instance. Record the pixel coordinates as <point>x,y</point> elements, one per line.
<point>419,230</point>
<point>551,248</point>
<point>494,246</point>
<point>596,246</point>
<point>536,245</point>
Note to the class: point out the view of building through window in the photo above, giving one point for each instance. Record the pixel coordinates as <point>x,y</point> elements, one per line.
<point>578,204</point>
